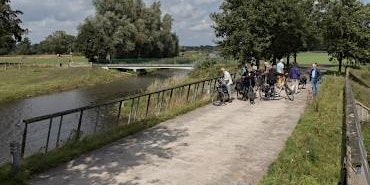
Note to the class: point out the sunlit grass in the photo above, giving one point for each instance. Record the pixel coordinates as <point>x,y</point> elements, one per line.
<point>312,154</point>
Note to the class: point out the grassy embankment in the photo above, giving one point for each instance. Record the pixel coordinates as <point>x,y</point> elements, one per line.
<point>41,162</point>
<point>27,82</point>
<point>312,153</point>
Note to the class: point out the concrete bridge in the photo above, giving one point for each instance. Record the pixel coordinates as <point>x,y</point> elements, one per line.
<point>146,66</point>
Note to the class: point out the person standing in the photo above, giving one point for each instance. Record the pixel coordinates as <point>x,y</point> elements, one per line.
<point>295,75</point>
<point>228,81</point>
<point>280,73</point>
<point>315,77</point>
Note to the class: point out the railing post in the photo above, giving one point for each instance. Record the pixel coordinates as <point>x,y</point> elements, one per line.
<point>137,108</point>
<point>147,106</point>
<point>187,96</point>
<point>24,139</point>
<point>48,138</point>
<point>97,119</point>
<point>132,106</point>
<point>203,88</point>
<point>79,125</point>
<point>59,129</point>
<point>169,100</point>
<point>15,157</point>
<point>119,111</point>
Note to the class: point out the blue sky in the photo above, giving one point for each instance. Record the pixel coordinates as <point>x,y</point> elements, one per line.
<point>191,17</point>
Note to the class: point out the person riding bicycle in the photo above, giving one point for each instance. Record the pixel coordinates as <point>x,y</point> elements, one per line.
<point>228,81</point>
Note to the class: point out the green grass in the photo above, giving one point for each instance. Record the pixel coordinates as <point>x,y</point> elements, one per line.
<point>308,58</point>
<point>312,153</point>
<point>42,59</point>
<point>27,82</point>
<point>41,162</point>
<point>362,94</point>
<point>363,74</point>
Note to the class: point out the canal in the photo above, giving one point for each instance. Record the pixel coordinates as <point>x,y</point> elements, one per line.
<point>12,114</point>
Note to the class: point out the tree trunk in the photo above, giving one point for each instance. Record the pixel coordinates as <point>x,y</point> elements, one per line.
<point>295,57</point>
<point>287,60</point>
<point>340,60</point>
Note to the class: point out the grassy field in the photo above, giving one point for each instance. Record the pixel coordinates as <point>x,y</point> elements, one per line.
<point>27,82</point>
<point>312,154</point>
<point>43,59</point>
<point>308,58</point>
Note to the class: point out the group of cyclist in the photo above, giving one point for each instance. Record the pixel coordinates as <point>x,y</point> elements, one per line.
<point>268,79</point>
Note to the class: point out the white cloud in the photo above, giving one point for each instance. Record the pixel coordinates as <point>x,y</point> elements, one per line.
<point>42,17</point>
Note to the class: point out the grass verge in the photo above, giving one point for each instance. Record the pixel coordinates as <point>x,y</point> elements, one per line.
<point>27,82</point>
<point>42,162</point>
<point>312,153</point>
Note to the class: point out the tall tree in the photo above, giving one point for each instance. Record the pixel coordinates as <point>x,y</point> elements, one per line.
<point>262,29</point>
<point>11,30</point>
<point>128,29</point>
<point>58,42</point>
<point>347,30</point>
<point>24,47</point>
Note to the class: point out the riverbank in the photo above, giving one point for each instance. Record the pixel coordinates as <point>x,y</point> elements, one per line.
<point>312,154</point>
<point>29,82</point>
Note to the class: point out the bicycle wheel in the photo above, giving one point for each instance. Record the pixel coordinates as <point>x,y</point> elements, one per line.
<point>289,92</point>
<point>251,95</point>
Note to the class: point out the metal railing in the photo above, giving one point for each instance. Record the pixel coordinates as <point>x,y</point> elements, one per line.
<point>363,112</point>
<point>53,130</point>
<point>355,164</point>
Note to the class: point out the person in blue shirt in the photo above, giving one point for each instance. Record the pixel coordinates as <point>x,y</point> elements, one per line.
<point>315,77</point>
<point>295,75</point>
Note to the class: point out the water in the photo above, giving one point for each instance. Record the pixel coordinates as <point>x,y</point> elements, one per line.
<point>12,114</point>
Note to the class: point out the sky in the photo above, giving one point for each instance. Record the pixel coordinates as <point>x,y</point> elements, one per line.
<point>191,17</point>
<point>42,17</point>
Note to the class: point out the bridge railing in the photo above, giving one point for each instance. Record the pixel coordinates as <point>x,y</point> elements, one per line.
<point>355,163</point>
<point>44,133</point>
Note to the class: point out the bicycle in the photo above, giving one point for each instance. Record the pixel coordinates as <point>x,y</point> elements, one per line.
<point>245,88</point>
<point>287,89</point>
<point>222,95</point>
<point>271,92</point>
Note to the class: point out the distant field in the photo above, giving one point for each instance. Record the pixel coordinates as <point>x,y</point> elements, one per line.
<point>313,57</point>
<point>42,59</point>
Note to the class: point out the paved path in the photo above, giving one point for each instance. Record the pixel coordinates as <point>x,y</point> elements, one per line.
<point>227,145</point>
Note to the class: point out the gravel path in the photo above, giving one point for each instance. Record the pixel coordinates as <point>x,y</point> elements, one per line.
<point>227,145</point>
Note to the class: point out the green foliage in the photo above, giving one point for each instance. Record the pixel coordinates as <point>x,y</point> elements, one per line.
<point>11,30</point>
<point>127,29</point>
<point>263,29</point>
<point>312,154</point>
<point>57,43</point>
<point>24,47</point>
<point>347,31</point>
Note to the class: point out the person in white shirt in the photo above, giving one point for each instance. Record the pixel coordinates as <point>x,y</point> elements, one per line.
<point>280,73</point>
<point>228,81</point>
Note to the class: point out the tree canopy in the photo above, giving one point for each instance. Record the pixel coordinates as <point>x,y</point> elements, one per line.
<point>275,29</point>
<point>127,29</point>
<point>11,30</point>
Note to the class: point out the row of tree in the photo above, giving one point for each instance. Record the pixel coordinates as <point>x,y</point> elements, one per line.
<point>120,29</point>
<point>127,29</point>
<point>272,30</point>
